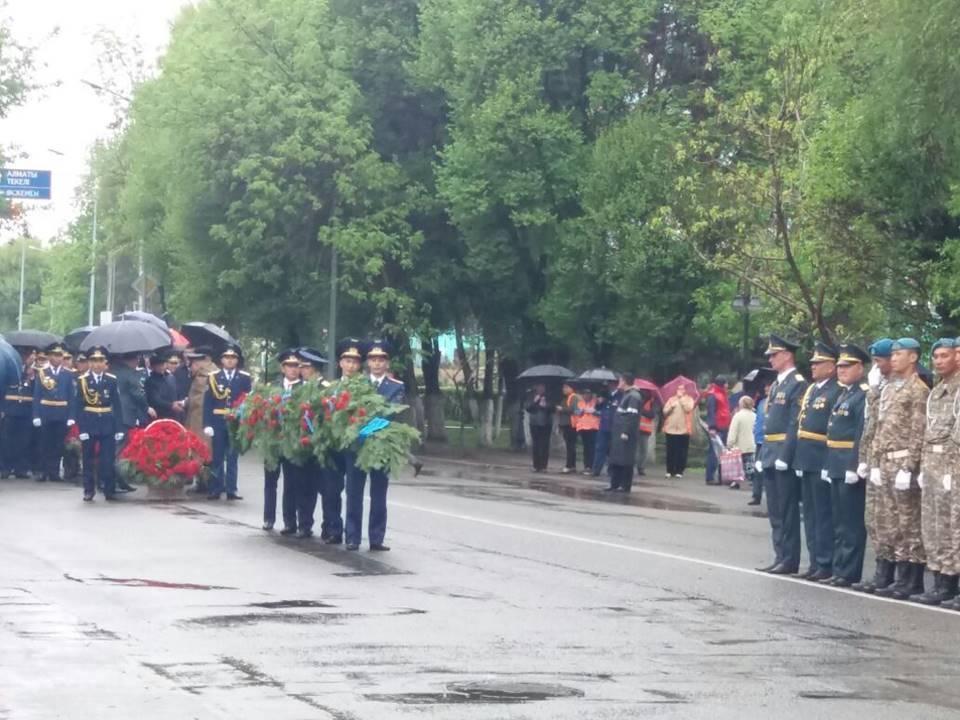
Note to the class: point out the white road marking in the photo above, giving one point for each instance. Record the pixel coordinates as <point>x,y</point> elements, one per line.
<point>664,555</point>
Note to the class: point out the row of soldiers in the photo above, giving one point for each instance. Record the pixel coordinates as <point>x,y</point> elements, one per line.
<point>304,484</point>
<point>866,456</point>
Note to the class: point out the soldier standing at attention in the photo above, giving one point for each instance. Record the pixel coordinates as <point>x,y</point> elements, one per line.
<point>898,446</point>
<point>378,363</point>
<point>878,499</point>
<point>290,369</point>
<point>97,411</point>
<point>227,386</point>
<point>53,393</point>
<point>17,414</point>
<point>349,358</point>
<point>810,460</point>
<point>847,486</point>
<point>938,464</point>
<point>776,456</point>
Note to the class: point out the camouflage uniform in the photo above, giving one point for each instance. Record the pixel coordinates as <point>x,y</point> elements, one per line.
<point>897,446</point>
<point>878,500</point>
<point>940,456</point>
<point>951,559</point>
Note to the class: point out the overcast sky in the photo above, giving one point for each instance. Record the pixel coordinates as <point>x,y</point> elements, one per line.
<point>66,115</point>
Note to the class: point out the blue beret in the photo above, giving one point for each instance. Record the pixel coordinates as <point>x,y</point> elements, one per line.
<point>882,348</point>
<point>949,343</point>
<point>906,344</point>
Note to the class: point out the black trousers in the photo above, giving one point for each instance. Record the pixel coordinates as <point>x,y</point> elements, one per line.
<point>540,437</point>
<point>850,532</point>
<point>621,477</point>
<point>788,511</point>
<point>678,448</point>
<point>271,478</point>
<point>308,491</point>
<point>570,440</point>
<point>589,439</point>
<point>53,433</point>
<point>17,432</point>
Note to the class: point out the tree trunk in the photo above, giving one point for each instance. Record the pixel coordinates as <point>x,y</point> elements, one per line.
<point>486,409</point>
<point>433,398</point>
<point>512,402</point>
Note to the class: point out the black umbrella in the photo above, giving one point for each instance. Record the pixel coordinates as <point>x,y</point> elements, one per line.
<point>597,375</point>
<point>73,338</point>
<point>546,372</point>
<point>127,336</point>
<point>145,317</point>
<point>208,335</point>
<point>30,338</point>
<point>760,375</point>
<point>11,364</point>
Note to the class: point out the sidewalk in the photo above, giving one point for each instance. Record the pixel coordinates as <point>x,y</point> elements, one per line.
<point>652,490</point>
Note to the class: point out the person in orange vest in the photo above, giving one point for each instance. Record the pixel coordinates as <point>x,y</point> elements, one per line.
<point>718,422</point>
<point>648,417</point>
<point>568,428</point>
<point>586,415</point>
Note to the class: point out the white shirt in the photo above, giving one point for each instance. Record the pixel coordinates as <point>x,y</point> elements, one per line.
<point>785,374</point>
<point>96,378</point>
<point>287,384</point>
<point>229,374</point>
<point>377,380</point>
<point>822,383</point>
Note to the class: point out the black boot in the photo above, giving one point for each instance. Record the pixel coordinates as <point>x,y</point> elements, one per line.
<point>882,577</point>
<point>949,587</point>
<point>933,596</point>
<point>914,584</point>
<point>902,573</point>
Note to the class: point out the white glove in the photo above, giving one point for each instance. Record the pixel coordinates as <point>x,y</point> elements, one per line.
<point>37,422</point>
<point>71,423</point>
<point>947,482</point>
<point>799,473</point>
<point>825,476</point>
<point>902,480</point>
<point>208,431</point>
<point>920,480</point>
<point>862,470</point>
<point>875,477</point>
<point>759,466</point>
<point>851,478</point>
<point>874,376</point>
<point>118,437</point>
<point>84,437</point>
<point>780,465</point>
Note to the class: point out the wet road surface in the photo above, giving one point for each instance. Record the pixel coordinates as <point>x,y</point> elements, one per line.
<point>505,596</point>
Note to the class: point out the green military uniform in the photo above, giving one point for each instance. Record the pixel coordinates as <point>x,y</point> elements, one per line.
<point>847,488</point>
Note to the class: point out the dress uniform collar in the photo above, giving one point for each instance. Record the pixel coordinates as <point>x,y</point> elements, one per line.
<point>785,374</point>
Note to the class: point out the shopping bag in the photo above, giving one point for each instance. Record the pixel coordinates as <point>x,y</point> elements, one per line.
<point>731,466</point>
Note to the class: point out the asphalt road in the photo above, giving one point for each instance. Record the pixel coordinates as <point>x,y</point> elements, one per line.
<point>499,600</point>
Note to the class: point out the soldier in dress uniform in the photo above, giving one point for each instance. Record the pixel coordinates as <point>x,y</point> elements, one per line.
<point>810,459</point>
<point>290,370</point>
<point>847,486</point>
<point>951,562</point>
<point>349,359</point>
<point>17,416</point>
<point>53,392</point>
<point>777,456</point>
<point>898,448</point>
<point>939,461</point>
<point>97,413</point>
<point>227,387</point>
<point>314,473</point>
<point>878,498</point>
<point>378,365</point>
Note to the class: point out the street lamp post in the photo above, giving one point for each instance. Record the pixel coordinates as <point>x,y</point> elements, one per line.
<point>744,302</point>
<point>23,279</point>
<point>93,263</point>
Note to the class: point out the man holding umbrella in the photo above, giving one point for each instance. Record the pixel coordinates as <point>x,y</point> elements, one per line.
<point>226,387</point>
<point>623,435</point>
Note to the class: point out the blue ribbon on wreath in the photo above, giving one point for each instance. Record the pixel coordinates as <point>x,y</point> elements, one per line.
<point>374,425</point>
<point>309,422</point>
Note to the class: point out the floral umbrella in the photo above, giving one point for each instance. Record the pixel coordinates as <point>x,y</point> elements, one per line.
<point>670,389</point>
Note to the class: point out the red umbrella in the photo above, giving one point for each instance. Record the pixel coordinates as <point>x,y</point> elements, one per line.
<point>670,389</point>
<point>640,384</point>
<point>177,339</point>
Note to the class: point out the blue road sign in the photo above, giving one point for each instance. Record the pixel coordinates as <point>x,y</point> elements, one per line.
<point>25,184</point>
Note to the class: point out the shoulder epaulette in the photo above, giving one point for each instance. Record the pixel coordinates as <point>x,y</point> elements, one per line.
<point>799,377</point>
<point>243,372</point>
<point>864,386</point>
<point>110,375</point>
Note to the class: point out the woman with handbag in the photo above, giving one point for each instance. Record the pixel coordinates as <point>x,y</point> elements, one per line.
<point>740,436</point>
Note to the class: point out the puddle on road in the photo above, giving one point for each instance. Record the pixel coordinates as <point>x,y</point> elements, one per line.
<point>288,604</point>
<point>482,694</point>
<point>287,618</point>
